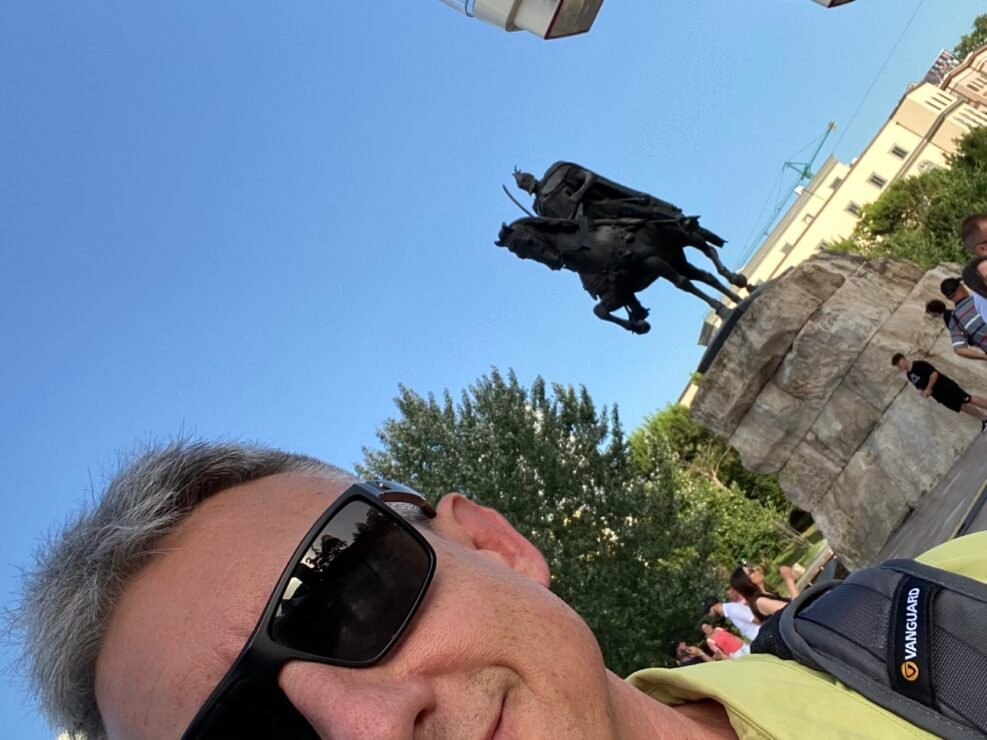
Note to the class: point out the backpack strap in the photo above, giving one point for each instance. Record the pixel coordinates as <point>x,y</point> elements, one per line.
<point>948,318</point>
<point>909,637</point>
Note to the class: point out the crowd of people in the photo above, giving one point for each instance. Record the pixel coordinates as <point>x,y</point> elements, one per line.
<point>967,325</point>
<point>749,604</point>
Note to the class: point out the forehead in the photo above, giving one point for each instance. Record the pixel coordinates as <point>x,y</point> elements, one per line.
<point>185,617</point>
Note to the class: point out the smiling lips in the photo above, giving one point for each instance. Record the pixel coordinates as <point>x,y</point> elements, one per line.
<point>495,731</point>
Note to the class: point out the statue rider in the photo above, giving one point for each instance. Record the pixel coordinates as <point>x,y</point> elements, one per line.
<point>570,191</point>
<point>563,198</point>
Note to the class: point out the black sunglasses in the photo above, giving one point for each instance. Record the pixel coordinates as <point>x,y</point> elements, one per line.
<point>345,598</point>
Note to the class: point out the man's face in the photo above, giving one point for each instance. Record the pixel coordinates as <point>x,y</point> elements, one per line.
<point>976,242</point>
<point>491,646</point>
<point>904,364</point>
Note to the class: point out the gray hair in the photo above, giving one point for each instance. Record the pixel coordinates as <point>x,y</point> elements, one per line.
<point>81,571</point>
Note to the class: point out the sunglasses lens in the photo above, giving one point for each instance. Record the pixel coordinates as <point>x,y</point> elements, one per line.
<point>250,711</point>
<point>355,589</point>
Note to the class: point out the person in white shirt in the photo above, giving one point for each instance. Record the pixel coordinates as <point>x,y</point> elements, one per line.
<point>736,612</point>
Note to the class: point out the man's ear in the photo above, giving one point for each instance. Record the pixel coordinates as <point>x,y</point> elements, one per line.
<point>490,534</point>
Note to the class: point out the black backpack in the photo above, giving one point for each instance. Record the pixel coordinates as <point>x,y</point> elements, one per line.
<point>909,637</point>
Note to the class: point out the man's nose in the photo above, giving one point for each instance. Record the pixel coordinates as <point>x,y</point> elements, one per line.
<point>357,703</point>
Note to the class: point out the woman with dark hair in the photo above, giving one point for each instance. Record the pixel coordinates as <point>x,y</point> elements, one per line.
<point>784,572</point>
<point>975,276</point>
<point>720,641</point>
<point>761,603</point>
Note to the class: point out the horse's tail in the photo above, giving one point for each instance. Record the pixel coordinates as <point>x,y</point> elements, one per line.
<point>690,224</point>
<point>710,237</point>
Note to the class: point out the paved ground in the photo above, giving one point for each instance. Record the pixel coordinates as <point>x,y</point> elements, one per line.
<point>958,505</point>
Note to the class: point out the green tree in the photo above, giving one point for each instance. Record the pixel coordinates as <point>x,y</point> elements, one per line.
<point>971,151</point>
<point>918,218</point>
<point>627,551</point>
<point>704,454</point>
<point>973,40</point>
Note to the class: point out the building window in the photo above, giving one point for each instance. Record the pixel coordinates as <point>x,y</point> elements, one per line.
<point>807,218</point>
<point>837,181</point>
<point>939,101</point>
<point>971,118</point>
<point>787,249</point>
<point>899,152</point>
<point>853,208</point>
<point>926,166</point>
<point>877,181</point>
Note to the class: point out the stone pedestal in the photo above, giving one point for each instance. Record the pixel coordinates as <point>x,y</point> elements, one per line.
<point>804,388</point>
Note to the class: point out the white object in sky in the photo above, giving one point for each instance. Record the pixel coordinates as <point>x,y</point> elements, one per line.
<point>550,19</point>
<point>833,3</point>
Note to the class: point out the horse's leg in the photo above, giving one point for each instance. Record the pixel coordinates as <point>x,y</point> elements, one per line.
<point>694,273</point>
<point>713,256</point>
<point>683,283</point>
<point>604,310</point>
<point>635,310</point>
<point>659,267</point>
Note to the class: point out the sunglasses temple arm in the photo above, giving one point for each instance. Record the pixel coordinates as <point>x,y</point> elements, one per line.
<point>408,498</point>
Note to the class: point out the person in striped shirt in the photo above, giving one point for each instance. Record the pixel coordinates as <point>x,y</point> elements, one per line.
<point>967,328</point>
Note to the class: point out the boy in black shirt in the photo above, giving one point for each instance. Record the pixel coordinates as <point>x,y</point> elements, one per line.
<point>942,388</point>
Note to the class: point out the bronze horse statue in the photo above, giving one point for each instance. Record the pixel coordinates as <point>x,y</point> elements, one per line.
<point>618,257</point>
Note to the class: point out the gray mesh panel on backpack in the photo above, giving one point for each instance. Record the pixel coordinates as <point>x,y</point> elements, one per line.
<point>909,637</point>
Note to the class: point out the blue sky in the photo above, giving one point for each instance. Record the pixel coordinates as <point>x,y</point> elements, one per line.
<point>255,220</point>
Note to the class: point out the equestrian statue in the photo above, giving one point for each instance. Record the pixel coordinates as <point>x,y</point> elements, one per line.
<point>617,239</point>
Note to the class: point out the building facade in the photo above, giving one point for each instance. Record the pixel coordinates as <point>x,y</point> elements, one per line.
<point>968,79</point>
